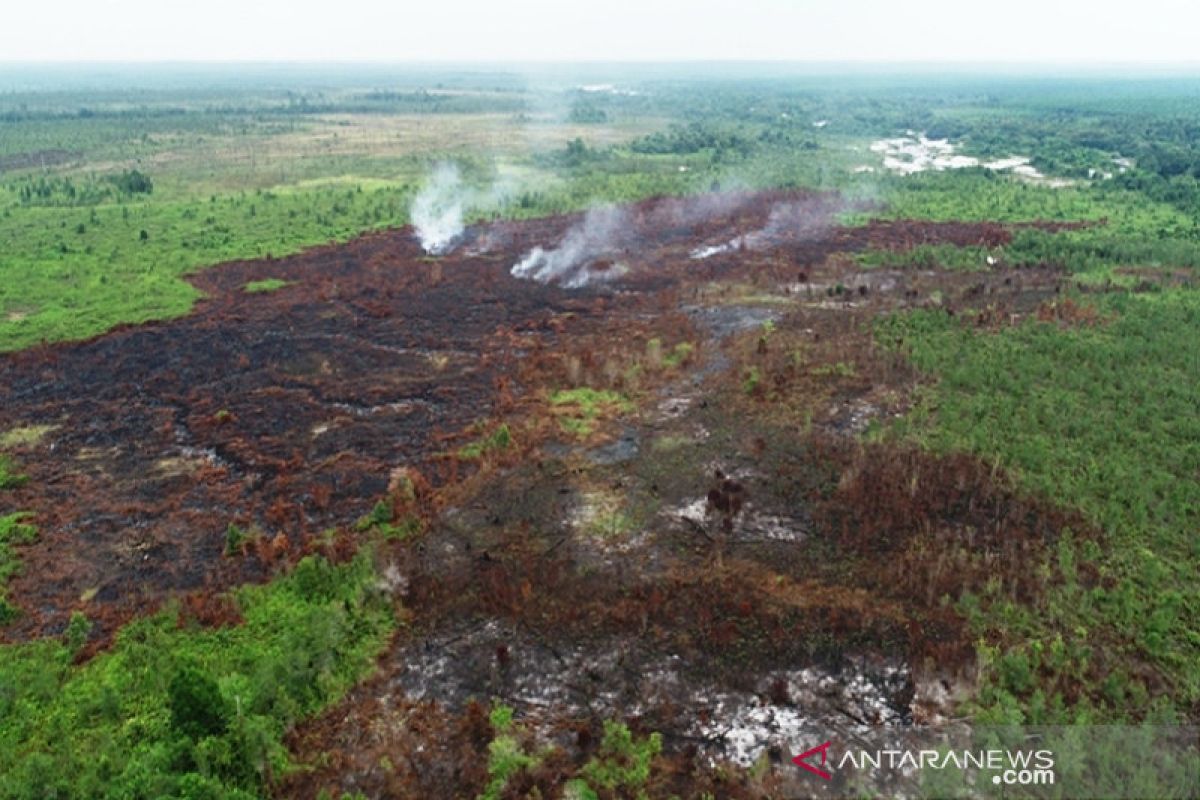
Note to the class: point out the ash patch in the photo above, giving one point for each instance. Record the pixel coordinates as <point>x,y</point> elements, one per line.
<point>622,450</point>
<point>726,320</point>
<point>752,525</point>
<point>551,683</point>
<point>789,708</point>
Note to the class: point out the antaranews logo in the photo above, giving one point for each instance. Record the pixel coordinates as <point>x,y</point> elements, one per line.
<point>802,760</point>
<point>1018,767</point>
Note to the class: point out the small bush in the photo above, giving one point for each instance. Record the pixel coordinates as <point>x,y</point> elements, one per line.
<point>498,441</point>
<point>131,181</point>
<point>9,478</point>
<point>197,708</point>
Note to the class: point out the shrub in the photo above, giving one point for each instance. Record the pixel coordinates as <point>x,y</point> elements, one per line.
<point>197,708</point>
<point>9,478</point>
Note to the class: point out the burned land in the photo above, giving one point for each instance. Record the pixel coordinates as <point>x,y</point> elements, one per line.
<point>634,489</point>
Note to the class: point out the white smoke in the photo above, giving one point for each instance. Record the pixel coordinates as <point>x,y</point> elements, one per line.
<point>599,234</point>
<point>687,212</point>
<point>787,223</point>
<point>715,249</point>
<point>437,210</point>
<point>589,248</point>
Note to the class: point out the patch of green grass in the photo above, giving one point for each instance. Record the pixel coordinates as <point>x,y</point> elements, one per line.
<point>58,284</point>
<point>14,530</point>
<point>579,409</point>
<point>840,369</point>
<point>406,527</point>
<point>265,285</point>
<point>172,710</point>
<point>927,256</point>
<point>621,766</point>
<point>1103,418</point>
<point>9,477</point>
<point>606,514</point>
<point>27,436</point>
<point>237,539</point>
<point>752,380</point>
<point>679,354</point>
<point>497,441</point>
<point>380,521</point>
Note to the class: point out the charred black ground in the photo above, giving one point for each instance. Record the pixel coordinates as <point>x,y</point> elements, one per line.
<point>580,574</point>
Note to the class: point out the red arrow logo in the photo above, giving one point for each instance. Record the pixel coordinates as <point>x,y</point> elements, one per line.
<point>823,749</point>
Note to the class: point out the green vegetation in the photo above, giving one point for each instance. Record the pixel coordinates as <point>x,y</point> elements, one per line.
<point>265,285</point>
<point>506,758</point>
<point>237,539</point>
<point>607,514</point>
<point>621,766</point>
<point>678,355</point>
<point>752,380</point>
<point>14,530</point>
<point>1102,418</point>
<point>9,477</point>
<point>839,369</point>
<point>174,710</point>
<point>497,441</point>
<point>62,284</point>
<point>382,521</point>
<point>926,256</point>
<point>579,409</point>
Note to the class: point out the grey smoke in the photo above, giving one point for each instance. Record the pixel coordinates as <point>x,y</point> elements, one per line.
<point>601,233</point>
<point>797,221</point>
<point>608,232</point>
<point>437,210</point>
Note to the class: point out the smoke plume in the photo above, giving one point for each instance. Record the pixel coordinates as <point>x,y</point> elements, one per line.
<point>437,210</point>
<point>589,250</point>
<point>792,222</point>
<point>601,233</point>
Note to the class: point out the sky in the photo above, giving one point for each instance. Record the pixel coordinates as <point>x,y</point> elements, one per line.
<point>1028,31</point>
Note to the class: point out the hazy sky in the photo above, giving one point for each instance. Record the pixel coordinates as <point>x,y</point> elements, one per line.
<point>609,30</point>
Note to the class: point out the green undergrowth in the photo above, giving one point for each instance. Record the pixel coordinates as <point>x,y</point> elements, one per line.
<point>1102,418</point>
<point>176,710</point>
<point>497,441</point>
<point>978,195</point>
<point>381,519</point>
<point>265,286</point>
<point>672,358</point>
<point>14,530</point>
<point>928,256</point>
<point>70,273</point>
<point>580,409</point>
<point>1125,227</point>
<point>506,757</point>
<point>10,478</point>
<point>620,767</point>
